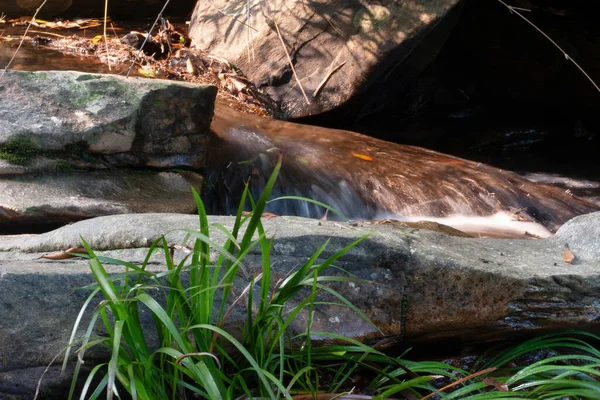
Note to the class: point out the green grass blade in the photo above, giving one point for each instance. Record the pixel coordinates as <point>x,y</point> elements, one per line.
<point>112,365</point>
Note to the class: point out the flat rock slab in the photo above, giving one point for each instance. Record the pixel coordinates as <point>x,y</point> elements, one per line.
<point>39,199</point>
<point>423,285</point>
<point>138,121</point>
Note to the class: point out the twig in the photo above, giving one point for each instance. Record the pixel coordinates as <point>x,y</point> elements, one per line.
<point>326,78</point>
<point>249,34</point>
<point>147,36</point>
<point>22,39</point>
<point>49,34</point>
<point>568,57</point>
<point>290,61</point>
<point>458,382</point>
<point>114,30</point>
<point>105,37</point>
<point>233,16</point>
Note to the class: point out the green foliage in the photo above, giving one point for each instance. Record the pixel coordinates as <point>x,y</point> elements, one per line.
<point>197,299</point>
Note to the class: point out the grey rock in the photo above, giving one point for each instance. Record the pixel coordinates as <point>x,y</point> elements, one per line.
<point>423,285</point>
<point>22,384</point>
<point>343,47</point>
<point>582,236</point>
<point>66,138</point>
<point>71,196</point>
<point>65,111</point>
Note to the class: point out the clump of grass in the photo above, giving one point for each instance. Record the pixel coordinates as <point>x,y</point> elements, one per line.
<point>197,292</point>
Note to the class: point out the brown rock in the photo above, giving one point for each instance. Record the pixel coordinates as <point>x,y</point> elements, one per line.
<point>338,50</point>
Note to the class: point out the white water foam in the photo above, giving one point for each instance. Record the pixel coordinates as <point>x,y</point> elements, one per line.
<point>499,225</point>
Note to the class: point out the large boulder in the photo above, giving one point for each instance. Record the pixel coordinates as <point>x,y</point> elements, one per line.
<point>139,122</point>
<point>338,50</point>
<point>72,144</point>
<point>423,285</point>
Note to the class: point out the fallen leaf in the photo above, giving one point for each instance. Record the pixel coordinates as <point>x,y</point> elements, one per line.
<point>63,255</point>
<point>362,156</point>
<point>97,38</point>
<point>146,73</point>
<point>501,386</point>
<point>568,256</point>
<point>266,215</point>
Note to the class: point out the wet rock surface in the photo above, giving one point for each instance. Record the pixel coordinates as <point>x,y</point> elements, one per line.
<point>337,50</point>
<point>423,285</point>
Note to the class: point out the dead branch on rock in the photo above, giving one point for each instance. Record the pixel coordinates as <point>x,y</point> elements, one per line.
<point>291,63</point>
<point>326,78</point>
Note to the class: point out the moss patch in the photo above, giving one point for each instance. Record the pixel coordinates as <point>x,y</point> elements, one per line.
<point>19,150</point>
<point>22,149</point>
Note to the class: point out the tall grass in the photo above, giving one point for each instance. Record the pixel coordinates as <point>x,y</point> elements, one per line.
<point>190,302</point>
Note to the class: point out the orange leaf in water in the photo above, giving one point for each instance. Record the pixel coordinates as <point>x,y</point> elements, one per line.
<point>568,256</point>
<point>362,156</point>
<point>447,160</point>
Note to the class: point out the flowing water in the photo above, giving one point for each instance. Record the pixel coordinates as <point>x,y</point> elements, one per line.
<point>368,178</point>
<point>361,177</point>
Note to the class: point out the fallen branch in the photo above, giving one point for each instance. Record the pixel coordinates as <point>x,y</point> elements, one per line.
<point>326,78</point>
<point>458,382</point>
<point>290,61</point>
<point>567,56</point>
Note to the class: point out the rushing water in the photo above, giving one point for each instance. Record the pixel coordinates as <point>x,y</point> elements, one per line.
<point>368,178</point>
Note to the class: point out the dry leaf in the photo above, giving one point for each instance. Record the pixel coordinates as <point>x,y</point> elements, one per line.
<point>266,215</point>
<point>190,67</point>
<point>146,73</point>
<point>501,386</point>
<point>97,38</point>
<point>568,256</point>
<point>62,255</point>
<point>362,156</point>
